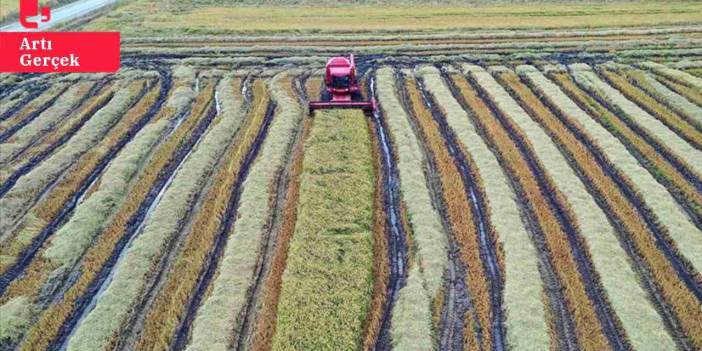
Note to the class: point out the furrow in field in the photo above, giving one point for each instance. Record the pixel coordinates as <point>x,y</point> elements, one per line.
<point>682,184</point>
<point>30,187</point>
<point>525,321</point>
<point>18,119</point>
<point>411,324</point>
<point>691,94</point>
<point>678,125</point>
<point>395,225</point>
<point>595,324</point>
<point>45,272</point>
<point>214,326</point>
<point>65,104</point>
<point>31,155</point>
<point>681,229</point>
<point>658,275</point>
<point>258,323</point>
<point>629,301</point>
<point>139,264</point>
<point>61,197</point>
<point>684,151</point>
<point>691,112</point>
<point>480,287</point>
<point>197,258</point>
<point>11,103</point>
<point>674,74</point>
<point>57,322</point>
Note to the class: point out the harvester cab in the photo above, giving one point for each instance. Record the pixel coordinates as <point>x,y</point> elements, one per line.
<point>341,89</point>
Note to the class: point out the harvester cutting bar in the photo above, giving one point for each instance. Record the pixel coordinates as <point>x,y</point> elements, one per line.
<point>368,106</point>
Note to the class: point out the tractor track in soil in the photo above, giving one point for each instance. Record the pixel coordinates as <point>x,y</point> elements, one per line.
<point>27,167</point>
<point>640,266</point>
<point>83,306</point>
<point>34,89</point>
<point>31,116</point>
<point>248,316</point>
<point>182,331</point>
<point>457,301</point>
<point>97,86</point>
<point>392,202</point>
<point>488,251</point>
<point>129,335</point>
<point>553,287</point>
<point>658,145</point>
<point>28,254</point>
<point>663,241</point>
<point>587,272</point>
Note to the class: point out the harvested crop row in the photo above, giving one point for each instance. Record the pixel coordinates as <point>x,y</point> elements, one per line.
<point>460,216</point>
<point>23,161</point>
<point>691,112</point>
<point>214,326</point>
<point>45,121</point>
<point>152,178</point>
<point>584,75</point>
<point>674,74</point>
<point>412,314</point>
<point>330,255</point>
<point>267,314</point>
<point>650,105</point>
<point>688,93</point>
<point>555,233</point>
<point>136,267</point>
<point>649,155</point>
<point>669,214</point>
<point>199,249</point>
<point>619,280</point>
<point>523,290</point>
<point>634,231</point>
<point>29,187</point>
<point>31,110</point>
<point>32,228</point>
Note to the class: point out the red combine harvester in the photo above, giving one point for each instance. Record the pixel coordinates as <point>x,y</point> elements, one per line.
<point>341,87</point>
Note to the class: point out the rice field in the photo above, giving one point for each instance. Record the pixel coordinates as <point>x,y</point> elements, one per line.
<point>515,190</point>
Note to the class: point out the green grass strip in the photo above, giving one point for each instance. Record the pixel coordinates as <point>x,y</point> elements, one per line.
<point>328,281</point>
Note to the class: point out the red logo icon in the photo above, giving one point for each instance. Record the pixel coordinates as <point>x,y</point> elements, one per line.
<point>30,8</point>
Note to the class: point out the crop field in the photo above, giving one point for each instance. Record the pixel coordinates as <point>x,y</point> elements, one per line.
<point>518,188</point>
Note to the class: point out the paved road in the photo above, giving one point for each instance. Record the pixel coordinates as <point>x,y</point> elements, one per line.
<point>63,14</point>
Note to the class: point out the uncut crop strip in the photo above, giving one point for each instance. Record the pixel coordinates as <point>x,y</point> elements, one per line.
<point>619,281</point>
<point>330,255</point>
<point>658,274</point>
<point>686,131</point>
<point>30,187</point>
<point>30,111</point>
<point>558,234</point>
<point>525,320</point>
<point>196,263</point>
<point>392,226</point>
<point>258,327</point>
<point>184,130</point>
<point>143,259</point>
<point>465,211</point>
<point>73,97</point>
<point>213,327</point>
<point>683,150</point>
<point>673,218</point>
<point>411,325</point>
<point>58,201</point>
<point>656,202</point>
<point>687,110</point>
<point>33,154</point>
